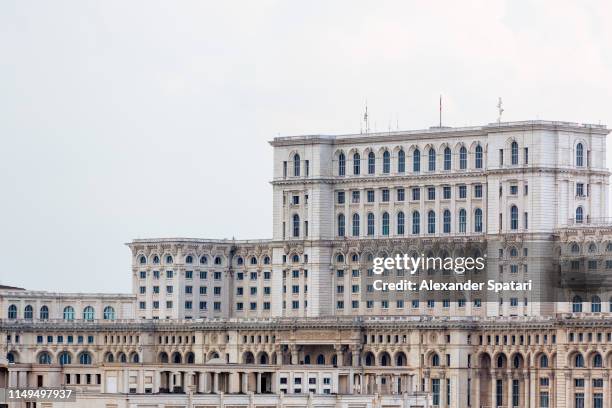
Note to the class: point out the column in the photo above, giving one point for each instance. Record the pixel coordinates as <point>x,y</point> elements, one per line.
<point>355,353</point>
<point>588,395</point>
<point>201,382</point>
<point>215,388</point>
<point>258,382</point>
<point>493,389</point>
<point>339,355</point>
<point>509,385</point>
<point>476,387</point>
<point>533,389</point>
<point>245,382</point>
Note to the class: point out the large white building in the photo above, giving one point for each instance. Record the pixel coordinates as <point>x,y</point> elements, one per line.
<point>212,321</point>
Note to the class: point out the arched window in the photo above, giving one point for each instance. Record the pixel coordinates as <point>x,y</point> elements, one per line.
<point>356,164</point>
<point>355,225</point>
<point>109,313</point>
<point>400,223</point>
<point>514,153</point>
<point>516,361</point>
<point>432,160</point>
<point>320,359</point>
<point>447,158</point>
<point>253,260</point>
<point>109,358</point>
<point>122,358</point>
<point>296,225</point>
<point>189,259</point>
<point>401,161</point>
<point>514,217</point>
<point>10,357</point>
<point>386,162</point>
<point>341,225</point>
<point>143,259</point>
<point>135,358</point>
<point>169,259</point>
<point>544,361</point>
<point>579,215</point>
<point>575,248</point>
<point>597,361</point>
<point>416,161</point>
<point>579,361</point>
<point>577,304</point>
<point>218,260</point>
<point>68,313</point>
<point>341,165</point>
<point>307,359</point>
<point>416,223</point>
<point>371,163</point>
<point>513,252</point>
<point>12,312</point>
<point>435,360</point>
<point>478,220</point>
<point>28,312</point>
<point>370,224</point>
<point>478,157</point>
<point>340,258</point>
<point>203,260</point>
<point>65,358</point>
<point>156,259</point>
<point>266,260</point>
<point>431,222</point>
<point>88,313</point>
<point>44,313</point>
<point>385,223</point>
<point>462,220</point>
<point>239,260</point>
<point>595,304</point>
<point>446,220</point>
<point>500,361</point>
<point>579,155</point>
<point>463,158</point>
<point>85,359</point>
<point>295,258</point>
<point>296,165</point>
<point>190,358</point>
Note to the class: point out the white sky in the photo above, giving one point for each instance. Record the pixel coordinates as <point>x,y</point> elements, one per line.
<point>121,120</point>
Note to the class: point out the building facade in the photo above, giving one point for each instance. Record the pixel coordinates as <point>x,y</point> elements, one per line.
<point>289,321</point>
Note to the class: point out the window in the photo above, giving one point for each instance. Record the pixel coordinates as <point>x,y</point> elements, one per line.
<point>400,223</point>
<point>526,154</point>
<point>526,220</point>
<point>431,193</point>
<point>355,225</point>
<point>400,194</point>
<point>385,223</point>
<point>514,153</point>
<point>416,223</point>
<point>463,192</point>
<point>431,222</point>
<point>579,155</point>
<point>514,190</point>
<point>416,193</point>
<point>355,196</point>
<point>447,158</point>
<point>416,161</point>
<point>580,189</point>
<point>579,215</point>
<point>386,162</point>
<point>462,220</point>
<point>340,197</point>
<point>370,224</point>
<point>109,313</point>
<point>296,225</point>
<point>401,161</point>
<point>341,225</point>
<point>88,313</point>
<point>432,160</point>
<point>478,220</point>
<point>28,312</point>
<point>446,192</point>
<point>595,304</point>
<point>385,195</point>
<point>463,158</point>
<point>44,313</point>
<point>513,217</point>
<point>478,157</point>
<point>85,358</point>
<point>478,190</point>
<point>296,165</point>
<point>371,163</point>
<point>356,163</point>
<point>341,164</point>
<point>446,219</point>
<point>12,312</point>
<point>501,157</point>
<point>370,196</point>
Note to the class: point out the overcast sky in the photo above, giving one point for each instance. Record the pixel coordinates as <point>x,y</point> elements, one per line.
<point>142,119</point>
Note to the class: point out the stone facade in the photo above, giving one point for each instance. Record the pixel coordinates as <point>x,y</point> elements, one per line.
<point>284,322</point>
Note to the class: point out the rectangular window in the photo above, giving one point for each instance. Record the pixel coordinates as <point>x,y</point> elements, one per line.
<point>416,193</point>
<point>446,192</point>
<point>525,220</point>
<point>340,197</point>
<point>431,193</point>
<point>580,189</point>
<point>385,195</point>
<point>514,190</point>
<point>544,400</point>
<point>370,194</point>
<point>400,194</point>
<point>462,191</point>
<point>478,190</point>
<point>526,150</point>
<point>501,157</point>
<point>355,197</point>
